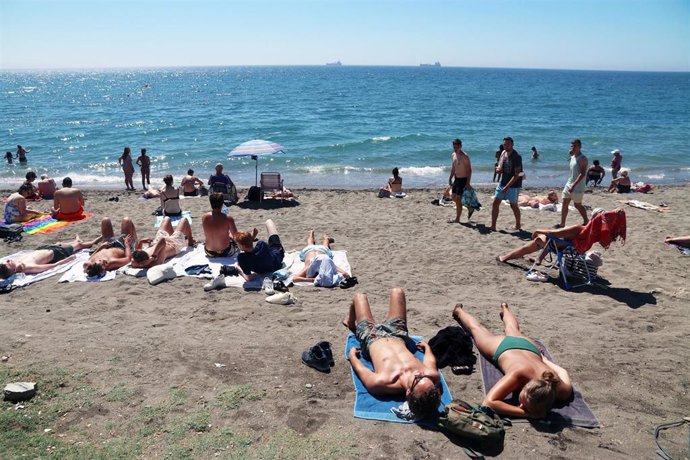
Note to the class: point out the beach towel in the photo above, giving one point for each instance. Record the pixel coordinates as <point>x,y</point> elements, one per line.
<point>174,219</point>
<point>76,271</point>
<point>294,263</point>
<point>604,229</point>
<point>47,224</point>
<point>23,279</point>
<point>644,205</point>
<point>370,407</point>
<point>576,413</point>
<point>172,262</point>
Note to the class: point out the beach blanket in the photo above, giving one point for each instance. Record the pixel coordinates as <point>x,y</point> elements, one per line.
<point>23,279</point>
<point>644,205</point>
<point>370,407</point>
<point>47,224</point>
<point>292,260</point>
<point>576,413</point>
<point>76,271</point>
<point>174,219</point>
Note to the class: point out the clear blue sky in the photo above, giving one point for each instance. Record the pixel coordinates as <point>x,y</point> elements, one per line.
<point>564,34</point>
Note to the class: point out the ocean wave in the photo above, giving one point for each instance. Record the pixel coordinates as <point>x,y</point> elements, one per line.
<point>653,176</point>
<point>381,138</point>
<point>422,170</point>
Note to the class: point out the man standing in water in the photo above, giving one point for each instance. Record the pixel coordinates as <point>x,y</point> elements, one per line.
<point>459,179</point>
<point>575,187</point>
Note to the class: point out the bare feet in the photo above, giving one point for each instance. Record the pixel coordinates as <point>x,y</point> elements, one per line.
<point>349,321</point>
<point>504,308</point>
<point>500,260</point>
<point>457,311</point>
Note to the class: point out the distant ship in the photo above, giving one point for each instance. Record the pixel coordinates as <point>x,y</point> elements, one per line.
<point>334,63</point>
<point>435,64</point>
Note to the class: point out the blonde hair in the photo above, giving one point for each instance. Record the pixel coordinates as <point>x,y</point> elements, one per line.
<point>541,393</point>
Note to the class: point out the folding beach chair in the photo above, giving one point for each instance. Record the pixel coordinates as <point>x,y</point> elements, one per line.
<point>570,257</point>
<point>271,182</point>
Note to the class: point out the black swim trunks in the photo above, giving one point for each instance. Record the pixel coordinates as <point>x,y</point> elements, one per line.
<point>459,185</point>
<point>59,252</point>
<point>194,193</point>
<point>227,252</point>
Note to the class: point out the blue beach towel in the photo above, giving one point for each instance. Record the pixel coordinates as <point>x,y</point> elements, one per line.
<point>576,413</point>
<point>372,407</point>
<point>174,219</point>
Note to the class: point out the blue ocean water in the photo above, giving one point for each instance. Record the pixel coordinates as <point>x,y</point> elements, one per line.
<point>342,126</point>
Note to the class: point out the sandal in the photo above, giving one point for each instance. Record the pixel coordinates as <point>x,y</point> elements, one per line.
<point>348,282</point>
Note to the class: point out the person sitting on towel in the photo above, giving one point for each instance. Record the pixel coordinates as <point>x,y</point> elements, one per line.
<point>319,267</point>
<point>114,252</point>
<point>394,185</point>
<point>68,202</point>
<point>44,257</point>
<point>219,229</point>
<point>167,243</point>
<point>16,209</point>
<point>535,201</point>
<point>621,184</point>
<point>527,372</point>
<point>396,370</point>
<point>260,258</point>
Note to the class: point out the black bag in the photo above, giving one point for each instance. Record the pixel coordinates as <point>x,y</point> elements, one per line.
<point>254,193</point>
<point>11,232</point>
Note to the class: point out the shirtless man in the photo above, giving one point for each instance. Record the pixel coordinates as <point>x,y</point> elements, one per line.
<point>459,179</point>
<point>114,252</point>
<point>144,162</point>
<point>166,244</point>
<point>319,267</point>
<point>189,184</point>
<point>219,229</point>
<point>46,187</point>
<point>396,370</point>
<point>68,202</point>
<point>16,209</point>
<point>535,201</point>
<point>44,257</point>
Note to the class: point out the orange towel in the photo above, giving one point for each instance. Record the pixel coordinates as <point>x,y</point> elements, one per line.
<point>603,229</point>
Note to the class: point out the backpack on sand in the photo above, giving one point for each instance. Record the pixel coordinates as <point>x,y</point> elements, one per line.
<point>11,232</point>
<point>478,429</point>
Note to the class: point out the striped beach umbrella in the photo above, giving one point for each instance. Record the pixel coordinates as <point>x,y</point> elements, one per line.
<point>254,148</point>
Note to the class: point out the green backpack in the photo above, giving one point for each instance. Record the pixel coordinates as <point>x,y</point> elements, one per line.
<point>476,428</point>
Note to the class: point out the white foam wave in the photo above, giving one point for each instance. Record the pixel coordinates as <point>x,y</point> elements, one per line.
<point>381,138</point>
<point>654,176</point>
<point>422,170</point>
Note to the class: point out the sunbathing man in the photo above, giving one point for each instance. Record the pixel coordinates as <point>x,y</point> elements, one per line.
<point>535,201</point>
<point>114,252</point>
<point>167,243</point>
<point>68,202</point>
<point>319,267</point>
<point>396,370</point>
<point>262,258</point>
<point>538,381</point>
<point>16,209</point>
<point>219,229</point>
<point>540,235</point>
<point>44,257</point>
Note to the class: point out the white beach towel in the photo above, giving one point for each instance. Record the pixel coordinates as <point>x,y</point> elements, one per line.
<point>174,219</point>
<point>198,257</point>
<point>22,279</point>
<point>76,271</point>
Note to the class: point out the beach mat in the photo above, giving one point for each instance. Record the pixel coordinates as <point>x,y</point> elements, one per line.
<point>173,219</point>
<point>644,205</point>
<point>23,279</point>
<point>370,407</point>
<point>76,271</point>
<point>576,413</point>
<point>47,224</point>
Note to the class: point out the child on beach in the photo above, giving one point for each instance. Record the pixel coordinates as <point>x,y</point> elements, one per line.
<point>144,163</point>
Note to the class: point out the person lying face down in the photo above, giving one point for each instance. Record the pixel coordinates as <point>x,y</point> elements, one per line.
<point>396,370</point>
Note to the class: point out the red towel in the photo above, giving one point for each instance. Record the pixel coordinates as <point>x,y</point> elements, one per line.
<point>604,229</point>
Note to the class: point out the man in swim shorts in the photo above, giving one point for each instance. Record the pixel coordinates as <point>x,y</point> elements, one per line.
<point>396,370</point>
<point>68,202</point>
<point>510,167</point>
<point>219,229</point>
<point>189,184</point>
<point>167,243</point>
<point>114,252</point>
<point>575,187</point>
<point>319,267</point>
<point>44,257</point>
<point>460,176</point>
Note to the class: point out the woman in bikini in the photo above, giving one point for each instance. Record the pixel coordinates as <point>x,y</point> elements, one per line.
<point>170,198</point>
<point>394,185</point>
<point>538,381</point>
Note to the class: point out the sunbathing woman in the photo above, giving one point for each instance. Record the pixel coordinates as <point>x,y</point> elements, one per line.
<point>538,381</point>
<point>535,201</point>
<point>394,185</point>
<point>621,184</point>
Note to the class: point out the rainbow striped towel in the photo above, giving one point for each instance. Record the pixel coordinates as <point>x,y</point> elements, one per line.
<point>47,224</point>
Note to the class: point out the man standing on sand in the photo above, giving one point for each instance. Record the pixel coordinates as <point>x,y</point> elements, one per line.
<point>167,243</point>
<point>219,229</point>
<point>144,162</point>
<point>510,167</point>
<point>575,187</point>
<point>459,179</point>
<point>616,162</point>
<point>114,252</point>
<point>396,370</point>
<point>68,202</point>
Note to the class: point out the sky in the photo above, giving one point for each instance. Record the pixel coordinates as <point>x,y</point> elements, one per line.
<point>647,35</point>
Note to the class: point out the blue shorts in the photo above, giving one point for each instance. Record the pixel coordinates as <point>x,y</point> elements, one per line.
<point>511,195</point>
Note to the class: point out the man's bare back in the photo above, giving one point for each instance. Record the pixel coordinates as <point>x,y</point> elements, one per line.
<point>68,200</point>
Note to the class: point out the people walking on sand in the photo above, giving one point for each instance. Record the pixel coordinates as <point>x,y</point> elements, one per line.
<point>574,189</point>
<point>616,162</point>
<point>537,381</point>
<point>397,371</point>
<point>125,161</point>
<point>144,162</point>
<point>535,154</point>
<point>21,155</point>
<point>167,243</point>
<point>497,173</point>
<point>219,229</point>
<point>595,174</point>
<point>510,167</point>
<point>459,178</point>
<point>191,184</point>
<point>46,187</point>
<point>68,202</point>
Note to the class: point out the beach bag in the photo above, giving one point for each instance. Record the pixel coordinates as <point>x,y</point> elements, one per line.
<point>11,232</point>
<point>254,193</point>
<point>478,429</point>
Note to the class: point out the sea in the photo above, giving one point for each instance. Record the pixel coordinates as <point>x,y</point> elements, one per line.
<point>341,126</point>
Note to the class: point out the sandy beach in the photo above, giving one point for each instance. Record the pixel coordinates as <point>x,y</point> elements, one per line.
<point>134,370</point>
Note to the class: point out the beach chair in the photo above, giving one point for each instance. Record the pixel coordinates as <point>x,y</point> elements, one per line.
<point>229,192</point>
<point>570,257</point>
<point>271,182</point>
